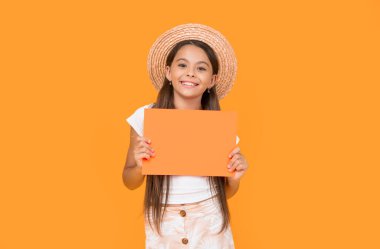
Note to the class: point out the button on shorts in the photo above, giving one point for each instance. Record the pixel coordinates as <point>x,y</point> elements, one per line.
<point>194,226</point>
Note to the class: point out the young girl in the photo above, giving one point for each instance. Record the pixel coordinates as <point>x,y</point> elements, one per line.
<point>192,66</point>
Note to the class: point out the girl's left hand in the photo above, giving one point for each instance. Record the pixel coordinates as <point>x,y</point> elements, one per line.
<point>237,165</point>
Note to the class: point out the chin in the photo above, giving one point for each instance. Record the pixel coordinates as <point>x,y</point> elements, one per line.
<point>190,96</point>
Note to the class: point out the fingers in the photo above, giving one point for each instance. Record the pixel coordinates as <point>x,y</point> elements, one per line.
<point>237,163</point>
<point>234,162</point>
<point>234,151</point>
<point>144,146</point>
<point>143,150</point>
<point>143,155</point>
<point>139,158</point>
<point>240,167</point>
<point>144,139</point>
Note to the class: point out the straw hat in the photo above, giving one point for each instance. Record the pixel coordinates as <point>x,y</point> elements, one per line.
<point>223,50</point>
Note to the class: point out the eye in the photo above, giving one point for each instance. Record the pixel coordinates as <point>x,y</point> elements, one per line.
<point>181,65</point>
<point>202,69</point>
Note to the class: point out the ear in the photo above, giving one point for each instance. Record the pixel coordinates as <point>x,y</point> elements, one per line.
<point>214,79</point>
<point>167,73</point>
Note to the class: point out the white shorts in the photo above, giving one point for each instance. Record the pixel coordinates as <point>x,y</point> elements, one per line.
<point>194,226</point>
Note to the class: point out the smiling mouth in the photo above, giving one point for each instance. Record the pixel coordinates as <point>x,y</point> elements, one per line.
<point>188,84</point>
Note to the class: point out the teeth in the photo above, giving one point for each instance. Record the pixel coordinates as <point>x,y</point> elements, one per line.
<point>188,84</point>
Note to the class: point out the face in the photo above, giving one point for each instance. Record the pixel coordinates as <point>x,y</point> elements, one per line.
<point>190,72</point>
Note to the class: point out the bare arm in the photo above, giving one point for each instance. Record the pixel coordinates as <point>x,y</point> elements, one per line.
<point>138,149</point>
<point>232,187</point>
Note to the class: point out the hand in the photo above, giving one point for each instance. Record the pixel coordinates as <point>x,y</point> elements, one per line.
<point>143,150</point>
<point>237,165</point>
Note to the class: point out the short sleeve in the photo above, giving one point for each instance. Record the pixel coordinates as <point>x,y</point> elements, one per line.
<point>136,120</point>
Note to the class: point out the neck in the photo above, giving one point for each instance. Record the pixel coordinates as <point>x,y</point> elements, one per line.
<point>188,104</point>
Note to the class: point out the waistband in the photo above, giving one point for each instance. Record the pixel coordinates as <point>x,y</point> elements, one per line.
<point>190,204</point>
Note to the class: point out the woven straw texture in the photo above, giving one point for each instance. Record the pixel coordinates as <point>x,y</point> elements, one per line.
<point>224,52</point>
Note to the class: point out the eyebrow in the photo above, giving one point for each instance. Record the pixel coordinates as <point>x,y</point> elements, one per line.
<point>197,62</point>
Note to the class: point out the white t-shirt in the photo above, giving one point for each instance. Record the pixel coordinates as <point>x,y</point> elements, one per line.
<point>183,189</point>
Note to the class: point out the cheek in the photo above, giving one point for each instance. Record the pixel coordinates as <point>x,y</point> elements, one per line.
<point>206,78</point>
<point>177,74</point>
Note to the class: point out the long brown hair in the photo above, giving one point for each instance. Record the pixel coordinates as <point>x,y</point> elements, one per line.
<point>154,209</point>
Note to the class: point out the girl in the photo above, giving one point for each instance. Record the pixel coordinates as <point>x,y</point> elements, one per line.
<point>192,66</point>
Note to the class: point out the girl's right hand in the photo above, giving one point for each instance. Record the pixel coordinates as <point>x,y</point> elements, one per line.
<point>143,150</point>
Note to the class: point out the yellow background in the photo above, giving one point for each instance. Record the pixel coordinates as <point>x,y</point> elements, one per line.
<point>307,97</point>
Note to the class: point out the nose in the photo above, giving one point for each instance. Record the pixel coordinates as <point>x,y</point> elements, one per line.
<point>190,72</point>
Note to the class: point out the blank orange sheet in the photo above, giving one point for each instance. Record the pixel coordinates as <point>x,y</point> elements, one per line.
<point>189,142</point>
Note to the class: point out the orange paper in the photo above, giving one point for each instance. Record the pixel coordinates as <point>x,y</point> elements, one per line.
<point>189,142</point>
